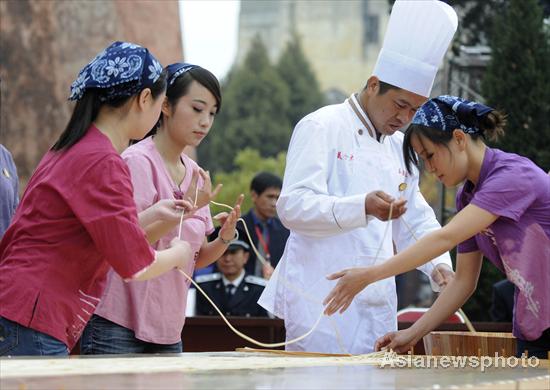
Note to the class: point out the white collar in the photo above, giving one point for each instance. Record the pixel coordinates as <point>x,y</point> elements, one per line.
<point>235,282</point>
<point>363,117</point>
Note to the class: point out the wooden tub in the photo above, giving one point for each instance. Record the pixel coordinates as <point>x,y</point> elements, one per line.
<point>470,344</point>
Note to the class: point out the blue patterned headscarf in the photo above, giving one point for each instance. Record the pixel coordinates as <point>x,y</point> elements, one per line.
<point>447,113</point>
<point>176,70</point>
<point>121,70</point>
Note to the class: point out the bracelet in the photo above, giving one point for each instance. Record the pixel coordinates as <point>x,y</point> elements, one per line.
<point>227,242</point>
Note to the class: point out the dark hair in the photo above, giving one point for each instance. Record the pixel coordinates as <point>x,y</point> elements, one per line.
<point>264,180</point>
<point>180,88</point>
<point>384,87</point>
<point>87,108</point>
<point>491,126</point>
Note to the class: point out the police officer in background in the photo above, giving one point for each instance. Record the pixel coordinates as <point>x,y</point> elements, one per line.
<point>231,289</point>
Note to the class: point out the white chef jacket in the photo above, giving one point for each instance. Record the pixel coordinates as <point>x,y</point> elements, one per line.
<point>332,163</point>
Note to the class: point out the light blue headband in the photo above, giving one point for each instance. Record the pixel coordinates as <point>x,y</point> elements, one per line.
<point>177,69</point>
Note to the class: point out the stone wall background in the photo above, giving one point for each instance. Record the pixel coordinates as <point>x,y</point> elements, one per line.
<point>43,45</point>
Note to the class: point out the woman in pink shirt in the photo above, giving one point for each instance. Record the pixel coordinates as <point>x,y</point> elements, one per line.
<point>77,217</point>
<point>148,317</point>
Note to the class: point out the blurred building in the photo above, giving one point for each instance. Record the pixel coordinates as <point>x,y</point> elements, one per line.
<point>43,45</point>
<point>466,72</point>
<point>340,38</point>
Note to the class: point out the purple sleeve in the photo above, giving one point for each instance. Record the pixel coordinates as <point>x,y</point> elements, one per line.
<point>507,191</point>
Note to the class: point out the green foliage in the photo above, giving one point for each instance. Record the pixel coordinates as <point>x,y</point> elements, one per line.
<point>518,78</point>
<point>475,20</point>
<point>254,114</point>
<point>261,105</point>
<point>248,163</point>
<point>294,69</point>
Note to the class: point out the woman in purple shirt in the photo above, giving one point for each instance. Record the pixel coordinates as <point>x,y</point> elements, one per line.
<point>504,215</point>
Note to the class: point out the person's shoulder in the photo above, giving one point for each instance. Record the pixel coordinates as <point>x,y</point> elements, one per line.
<point>248,218</point>
<point>511,166</point>
<point>94,150</point>
<point>208,278</point>
<point>4,151</point>
<point>141,150</point>
<point>6,155</point>
<point>105,163</point>
<point>499,160</point>
<point>110,160</point>
<point>255,280</point>
<point>323,116</point>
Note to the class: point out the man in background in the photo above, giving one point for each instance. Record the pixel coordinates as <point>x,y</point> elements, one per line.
<point>266,230</point>
<point>234,291</point>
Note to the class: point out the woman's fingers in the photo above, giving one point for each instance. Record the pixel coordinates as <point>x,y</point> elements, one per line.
<point>216,191</point>
<point>194,179</point>
<point>382,342</point>
<point>186,205</point>
<point>345,305</point>
<point>329,310</point>
<point>202,173</point>
<point>222,215</point>
<point>240,199</point>
<point>335,300</point>
<point>339,302</point>
<point>330,297</point>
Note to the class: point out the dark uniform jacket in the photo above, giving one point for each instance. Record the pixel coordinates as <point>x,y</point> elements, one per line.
<point>278,234</point>
<point>502,306</point>
<point>244,302</point>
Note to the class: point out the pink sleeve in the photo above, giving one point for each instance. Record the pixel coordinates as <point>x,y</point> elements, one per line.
<point>142,174</point>
<point>105,206</point>
<point>205,211</point>
<point>209,224</point>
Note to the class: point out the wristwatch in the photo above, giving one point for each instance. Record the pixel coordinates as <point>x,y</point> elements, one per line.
<point>227,242</point>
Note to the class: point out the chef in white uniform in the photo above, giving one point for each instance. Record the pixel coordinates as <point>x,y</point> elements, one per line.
<point>344,163</point>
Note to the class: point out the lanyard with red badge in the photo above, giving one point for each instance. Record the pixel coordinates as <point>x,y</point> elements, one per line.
<point>265,246</point>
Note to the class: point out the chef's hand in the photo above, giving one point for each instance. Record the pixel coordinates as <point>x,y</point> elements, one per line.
<point>351,282</point>
<point>378,203</point>
<point>442,275</point>
<point>400,341</point>
<point>203,195</point>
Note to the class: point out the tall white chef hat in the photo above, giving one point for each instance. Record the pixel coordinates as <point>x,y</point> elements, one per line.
<point>418,35</point>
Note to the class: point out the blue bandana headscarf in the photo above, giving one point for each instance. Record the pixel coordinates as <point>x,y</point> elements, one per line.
<point>447,113</point>
<point>121,70</point>
<point>176,70</point>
